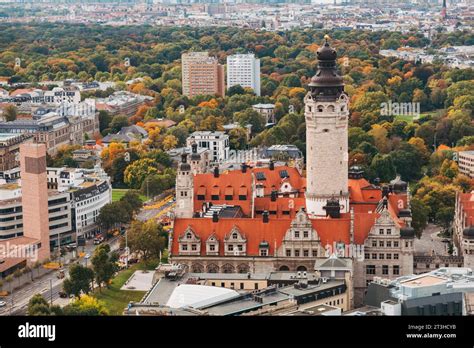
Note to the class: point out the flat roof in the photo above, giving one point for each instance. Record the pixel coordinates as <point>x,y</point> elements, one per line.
<point>424,280</point>
<point>197,296</point>
<point>291,290</point>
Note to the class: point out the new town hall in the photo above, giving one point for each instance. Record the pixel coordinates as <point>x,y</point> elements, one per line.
<point>262,219</point>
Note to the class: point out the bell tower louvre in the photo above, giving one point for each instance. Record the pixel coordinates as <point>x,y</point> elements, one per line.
<point>326,114</point>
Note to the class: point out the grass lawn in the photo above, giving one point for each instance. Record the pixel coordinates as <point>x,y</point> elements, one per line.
<point>119,193</point>
<point>116,300</point>
<point>410,119</point>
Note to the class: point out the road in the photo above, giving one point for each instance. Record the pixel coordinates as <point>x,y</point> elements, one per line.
<point>430,241</point>
<point>157,210</point>
<point>48,285</point>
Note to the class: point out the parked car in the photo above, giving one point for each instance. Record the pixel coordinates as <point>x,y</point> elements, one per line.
<point>62,294</point>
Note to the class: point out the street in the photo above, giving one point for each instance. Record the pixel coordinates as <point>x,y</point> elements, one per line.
<point>48,285</point>
<point>430,241</point>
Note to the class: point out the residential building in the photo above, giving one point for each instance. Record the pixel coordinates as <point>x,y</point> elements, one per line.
<point>122,103</point>
<point>466,163</point>
<point>10,149</point>
<point>202,75</point>
<point>216,142</point>
<point>244,70</point>
<point>266,110</point>
<point>56,129</point>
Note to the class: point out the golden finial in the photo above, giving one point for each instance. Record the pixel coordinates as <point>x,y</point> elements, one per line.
<point>326,37</point>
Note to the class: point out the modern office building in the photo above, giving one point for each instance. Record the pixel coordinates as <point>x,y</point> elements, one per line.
<point>244,70</point>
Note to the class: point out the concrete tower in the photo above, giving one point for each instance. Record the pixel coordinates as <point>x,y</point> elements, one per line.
<point>326,113</point>
<point>444,13</point>
<point>34,192</point>
<point>184,189</point>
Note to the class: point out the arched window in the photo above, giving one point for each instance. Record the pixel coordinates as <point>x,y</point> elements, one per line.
<point>197,268</point>
<point>243,268</point>
<point>331,108</point>
<point>301,269</point>
<point>212,268</point>
<point>227,268</point>
<point>320,108</point>
<point>284,268</point>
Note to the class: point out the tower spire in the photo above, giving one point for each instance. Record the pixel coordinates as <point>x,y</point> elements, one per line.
<point>326,114</point>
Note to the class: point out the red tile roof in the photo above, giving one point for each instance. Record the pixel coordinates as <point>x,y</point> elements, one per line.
<point>364,199</point>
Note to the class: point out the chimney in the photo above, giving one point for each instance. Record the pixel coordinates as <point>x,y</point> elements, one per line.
<point>194,147</point>
<point>184,157</point>
<point>385,191</point>
<point>265,217</point>
<point>272,165</point>
<point>244,168</point>
<point>215,216</point>
<point>273,196</point>
<point>216,172</point>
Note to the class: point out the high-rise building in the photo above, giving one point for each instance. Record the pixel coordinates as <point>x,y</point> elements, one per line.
<point>326,112</point>
<point>202,75</point>
<point>244,70</point>
<point>34,191</point>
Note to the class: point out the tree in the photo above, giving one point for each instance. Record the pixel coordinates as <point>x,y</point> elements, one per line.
<point>146,238</point>
<point>118,122</point>
<point>444,217</point>
<point>10,113</point>
<point>382,167</point>
<point>132,197</point>
<point>103,264</point>
<point>169,142</point>
<point>114,213</point>
<point>136,172</point>
<point>236,89</point>
<point>38,306</point>
<point>419,214</point>
<point>252,117</point>
<point>238,138</point>
<point>79,281</point>
<point>104,120</point>
<point>86,306</point>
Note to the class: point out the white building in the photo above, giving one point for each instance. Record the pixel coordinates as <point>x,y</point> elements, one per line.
<point>216,142</point>
<point>90,190</point>
<point>244,70</point>
<point>466,163</point>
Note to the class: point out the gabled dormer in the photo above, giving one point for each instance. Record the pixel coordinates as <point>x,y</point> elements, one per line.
<point>189,243</point>
<point>212,245</point>
<point>235,243</point>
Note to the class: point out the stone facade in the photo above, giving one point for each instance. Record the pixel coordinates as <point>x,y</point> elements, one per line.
<point>386,254</point>
<point>326,153</point>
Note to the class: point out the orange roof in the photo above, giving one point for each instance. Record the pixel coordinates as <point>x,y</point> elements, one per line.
<point>360,190</point>
<point>255,230</point>
<point>21,91</point>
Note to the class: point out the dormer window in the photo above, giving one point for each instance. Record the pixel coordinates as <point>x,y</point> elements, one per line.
<point>189,236</point>
<point>234,236</point>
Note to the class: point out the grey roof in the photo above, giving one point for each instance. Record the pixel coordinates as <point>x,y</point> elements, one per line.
<point>433,300</point>
<point>331,262</point>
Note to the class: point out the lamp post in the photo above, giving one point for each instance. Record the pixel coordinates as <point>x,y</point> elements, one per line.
<point>126,249</point>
